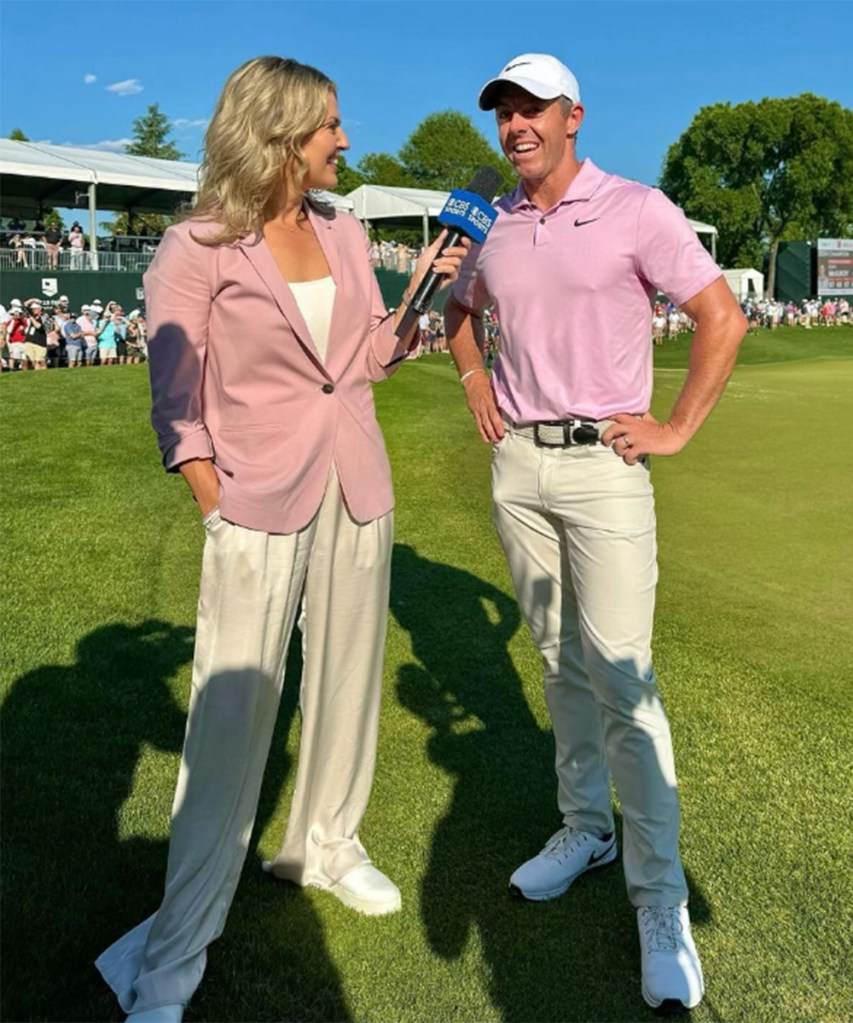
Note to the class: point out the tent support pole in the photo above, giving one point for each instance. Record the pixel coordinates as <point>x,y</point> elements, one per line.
<point>426,229</point>
<point>93,226</point>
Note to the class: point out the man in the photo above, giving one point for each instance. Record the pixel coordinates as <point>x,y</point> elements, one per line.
<point>572,267</point>
<point>73,334</point>
<point>90,327</point>
<point>53,242</point>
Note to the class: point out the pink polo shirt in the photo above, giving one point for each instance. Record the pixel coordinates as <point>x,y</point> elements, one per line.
<point>574,289</point>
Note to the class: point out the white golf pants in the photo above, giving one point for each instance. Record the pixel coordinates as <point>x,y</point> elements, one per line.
<point>578,528</point>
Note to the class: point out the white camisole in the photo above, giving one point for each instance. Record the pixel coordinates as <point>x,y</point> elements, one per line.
<point>315,300</point>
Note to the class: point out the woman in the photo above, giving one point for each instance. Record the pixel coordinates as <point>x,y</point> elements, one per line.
<point>108,339</point>
<point>16,332</point>
<point>76,242</point>
<point>17,243</point>
<point>37,328</point>
<point>137,347</point>
<point>274,430</point>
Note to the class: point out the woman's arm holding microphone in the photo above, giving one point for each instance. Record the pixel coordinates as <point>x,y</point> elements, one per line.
<point>387,351</point>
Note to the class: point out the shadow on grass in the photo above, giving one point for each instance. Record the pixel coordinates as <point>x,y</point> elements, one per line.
<point>574,958</point>
<point>72,737</point>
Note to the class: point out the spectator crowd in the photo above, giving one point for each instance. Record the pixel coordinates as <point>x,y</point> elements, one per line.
<point>46,335</point>
<point>36,335</point>
<point>40,247</point>
<point>811,312</point>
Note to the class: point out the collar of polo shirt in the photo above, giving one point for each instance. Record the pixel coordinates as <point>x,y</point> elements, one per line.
<point>583,187</point>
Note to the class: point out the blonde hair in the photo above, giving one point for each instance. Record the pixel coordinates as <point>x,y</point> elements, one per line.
<point>267,111</point>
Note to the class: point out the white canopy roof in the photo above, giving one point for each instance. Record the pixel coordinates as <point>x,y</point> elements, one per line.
<point>701,228</point>
<point>70,163</point>
<point>39,174</point>
<point>384,202</point>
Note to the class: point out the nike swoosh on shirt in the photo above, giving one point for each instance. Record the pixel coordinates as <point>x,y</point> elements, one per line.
<point>580,223</point>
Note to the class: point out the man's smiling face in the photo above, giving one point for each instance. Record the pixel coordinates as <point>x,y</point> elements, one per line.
<point>534,133</point>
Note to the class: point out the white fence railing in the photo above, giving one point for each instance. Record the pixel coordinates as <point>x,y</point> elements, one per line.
<point>39,259</point>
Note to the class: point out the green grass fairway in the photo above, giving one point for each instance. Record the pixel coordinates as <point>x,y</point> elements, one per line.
<point>753,647</point>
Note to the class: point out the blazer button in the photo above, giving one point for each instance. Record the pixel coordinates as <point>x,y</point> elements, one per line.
<point>328,388</point>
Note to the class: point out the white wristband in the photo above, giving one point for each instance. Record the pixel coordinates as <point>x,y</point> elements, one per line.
<point>471,372</point>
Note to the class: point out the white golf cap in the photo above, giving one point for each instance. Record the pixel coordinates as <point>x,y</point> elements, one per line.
<point>63,298</point>
<point>540,74</point>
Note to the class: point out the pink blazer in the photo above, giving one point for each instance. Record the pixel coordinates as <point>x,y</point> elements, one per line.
<point>235,376</point>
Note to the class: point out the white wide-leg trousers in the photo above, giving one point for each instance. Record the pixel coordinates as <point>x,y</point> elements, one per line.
<point>578,528</point>
<point>251,587</point>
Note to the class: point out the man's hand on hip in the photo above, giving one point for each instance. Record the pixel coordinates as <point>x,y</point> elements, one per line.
<point>481,402</point>
<point>632,437</point>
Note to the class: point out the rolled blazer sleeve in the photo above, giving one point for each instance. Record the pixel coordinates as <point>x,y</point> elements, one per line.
<point>178,300</point>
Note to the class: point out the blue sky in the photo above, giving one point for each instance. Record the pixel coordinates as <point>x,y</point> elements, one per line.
<point>644,68</point>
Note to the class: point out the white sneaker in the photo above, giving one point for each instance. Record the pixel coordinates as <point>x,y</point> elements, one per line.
<point>567,854</point>
<point>670,963</point>
<point>368,890</point>
<point>162,1014</point>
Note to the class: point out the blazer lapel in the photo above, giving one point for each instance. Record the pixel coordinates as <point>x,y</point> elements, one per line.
<point>257,252</point>
<point>330,244</point>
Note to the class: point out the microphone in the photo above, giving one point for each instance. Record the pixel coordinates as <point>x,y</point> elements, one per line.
<point>466,213</point>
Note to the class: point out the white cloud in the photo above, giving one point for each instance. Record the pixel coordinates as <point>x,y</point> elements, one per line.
<point>89,79</point>
<point>129,87</point>
<point>186,122</point>
<point>106,146</point>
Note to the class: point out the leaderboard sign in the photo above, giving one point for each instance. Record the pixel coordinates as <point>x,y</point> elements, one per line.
<point>834,266</point>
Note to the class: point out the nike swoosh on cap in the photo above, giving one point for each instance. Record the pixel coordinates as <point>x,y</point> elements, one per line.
<point>521,63</point>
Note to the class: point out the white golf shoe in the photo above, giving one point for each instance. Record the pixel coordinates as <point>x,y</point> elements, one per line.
<point>367,890</point>
<point>671,969</point>
<point>567,854</point>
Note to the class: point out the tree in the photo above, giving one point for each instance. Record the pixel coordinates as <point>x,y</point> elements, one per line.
<point>348,177</point>
<point>765,172</point>
<point>384,169</point>
<point>445,150</point>
<point>151,131</point>
<point>18,135</point>
<point>52,219</point>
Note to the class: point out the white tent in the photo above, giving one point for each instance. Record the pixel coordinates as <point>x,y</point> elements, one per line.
<point>708,229</point>
<point>36,174</point>
<point>745,282</point>
<point>384,202</point>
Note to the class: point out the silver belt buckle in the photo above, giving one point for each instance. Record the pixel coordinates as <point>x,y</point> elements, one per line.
<point>563,433</point>
<point>557,436</point>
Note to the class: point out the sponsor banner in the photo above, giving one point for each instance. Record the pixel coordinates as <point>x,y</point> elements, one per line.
<point>834,266</point>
